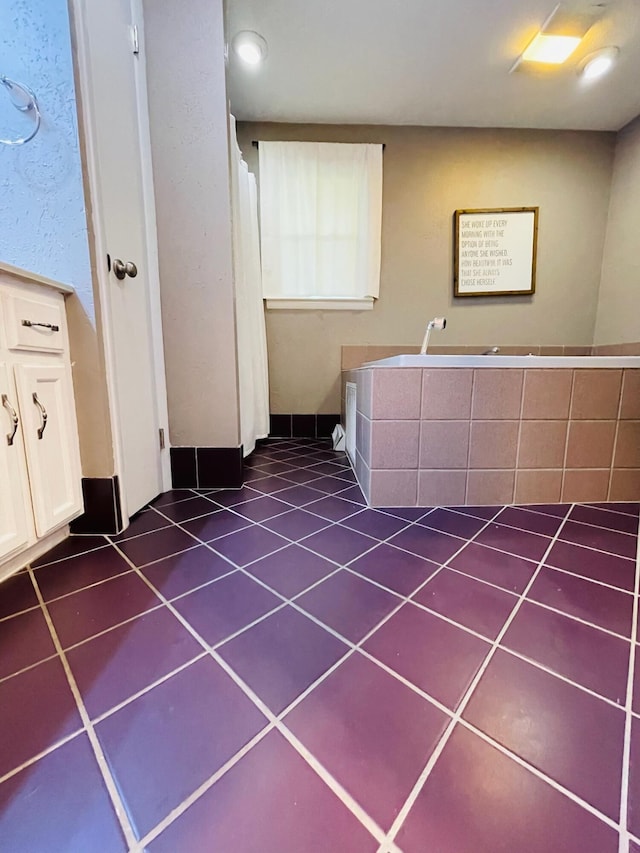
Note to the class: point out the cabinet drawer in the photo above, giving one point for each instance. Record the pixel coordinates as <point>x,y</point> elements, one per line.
<point>34,323</point>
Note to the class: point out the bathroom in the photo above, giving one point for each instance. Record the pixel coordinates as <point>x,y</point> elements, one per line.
<point>274,650</point>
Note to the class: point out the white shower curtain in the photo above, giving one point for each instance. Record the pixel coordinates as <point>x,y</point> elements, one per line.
<point>252,339</point>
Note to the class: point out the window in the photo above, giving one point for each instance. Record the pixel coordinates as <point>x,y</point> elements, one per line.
<point>320,219</point>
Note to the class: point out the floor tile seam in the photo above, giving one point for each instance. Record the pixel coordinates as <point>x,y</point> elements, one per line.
<point>444,565</point>
<point>24,669</point>
<point>113,627</point>
<point>535,562</point>
<point>544,777</point>
<point>488,640</point>
<point>544,536</point>
<point>541,666</point>
<point>261,524</point>
<point>70,556</point>
<point>574,574</point>
<point>579,619</point>
<point>139,536</point>
<point>292,602</point>
<point>467,542</point>
<point>42,754</point>
<point>195,795</point>
<point>99,718</point>
<point>573,520</point>
<point>232,570</point>
<point>89,586</point>
<point>122,537</point>
<point>389,541</point>
<point>413,795</point>
<point>609,509</point>
<point>602,527</point>
<point>166,556</point>
<point>262,707</point>
<point>228,638</point>
<point>597,550</point>
<point>117,801</point>
<point>409,600</point>
<point>484,581</point>
<point>626,761</point>
<point>347,799</point>
<point>292,598</point>
<point>18,612</point>
<point>496,521</point>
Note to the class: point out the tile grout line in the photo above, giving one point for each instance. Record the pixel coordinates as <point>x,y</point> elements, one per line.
<point>43,754</point>
<point>246,570</point>
<point>566,440</point>
<point>176,671</point>
<point>409,802</point>
<point>292,601</point>
<point>626,760</point>
<point>73,536</point>
<point>335,786</point>
<point>516,466</point>
<point>486,639</point>
<point>112,789</point>
<point>615,436</point>
<point>549,780</point>
<point>339,636</point>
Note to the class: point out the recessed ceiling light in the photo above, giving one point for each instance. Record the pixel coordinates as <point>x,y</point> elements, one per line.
<point>551,49</point>
<point>250,47</point>
<point>599,62</point>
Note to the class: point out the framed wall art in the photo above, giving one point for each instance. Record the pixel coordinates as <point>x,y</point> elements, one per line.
<point>495,251</point>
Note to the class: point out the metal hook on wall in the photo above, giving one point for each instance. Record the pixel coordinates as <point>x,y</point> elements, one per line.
<point>23,99</point>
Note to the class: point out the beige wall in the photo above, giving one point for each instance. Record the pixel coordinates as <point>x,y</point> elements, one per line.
<point>428,174</point>
<point>618,317</point>
<point>188,116</point>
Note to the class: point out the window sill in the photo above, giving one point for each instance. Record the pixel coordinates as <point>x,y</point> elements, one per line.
<point>321,304</point>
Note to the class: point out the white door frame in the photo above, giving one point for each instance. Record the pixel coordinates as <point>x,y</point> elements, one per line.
<point>86,126</point>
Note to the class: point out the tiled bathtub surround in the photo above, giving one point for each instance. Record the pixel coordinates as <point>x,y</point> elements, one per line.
<point>281,669</point>
<point>356,356</point>
<point>455,436</point>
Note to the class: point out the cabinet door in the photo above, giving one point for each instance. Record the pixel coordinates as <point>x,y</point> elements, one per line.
<point>45,393</point>
<point>16,526</point>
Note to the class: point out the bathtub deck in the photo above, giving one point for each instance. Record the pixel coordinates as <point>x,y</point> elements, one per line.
<point>280,669</point>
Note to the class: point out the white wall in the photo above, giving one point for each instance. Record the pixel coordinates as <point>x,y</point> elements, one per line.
<point>42,209</point>
<point>618,315</point>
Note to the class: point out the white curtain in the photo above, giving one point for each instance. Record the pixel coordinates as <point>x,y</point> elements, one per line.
<point>320,218</point>
<point>252,339</point>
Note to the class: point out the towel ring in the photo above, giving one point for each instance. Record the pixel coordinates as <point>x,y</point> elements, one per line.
<point>14,88</point>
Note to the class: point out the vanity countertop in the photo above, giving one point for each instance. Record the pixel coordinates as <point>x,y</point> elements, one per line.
<point>8,272</point>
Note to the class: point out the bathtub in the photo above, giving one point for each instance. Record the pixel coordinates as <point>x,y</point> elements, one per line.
<point>497,361</point>
<point>451,430</point>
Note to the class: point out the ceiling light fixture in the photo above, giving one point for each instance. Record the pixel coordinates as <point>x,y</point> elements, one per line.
<point>597,64</point>
<point>250,47</point>
<point>551,49</point>
<point>558,37</point>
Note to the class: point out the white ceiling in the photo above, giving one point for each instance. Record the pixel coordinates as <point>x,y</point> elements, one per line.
<point>427,62</point>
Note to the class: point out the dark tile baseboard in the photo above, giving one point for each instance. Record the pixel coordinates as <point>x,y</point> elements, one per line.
<point>206,467</point>
<point>302,426</point>
<point>102,511</point>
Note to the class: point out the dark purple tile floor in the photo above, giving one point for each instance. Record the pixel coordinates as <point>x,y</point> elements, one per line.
<point>280,669</point>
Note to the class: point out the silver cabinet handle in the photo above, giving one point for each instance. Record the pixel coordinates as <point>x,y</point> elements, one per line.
<point>14,419</point>
<point>50,326</point>
<point>121,269</point>
<point>43,414</point>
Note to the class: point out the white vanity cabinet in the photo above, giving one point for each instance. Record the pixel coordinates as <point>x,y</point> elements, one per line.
<point>40,474</point>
